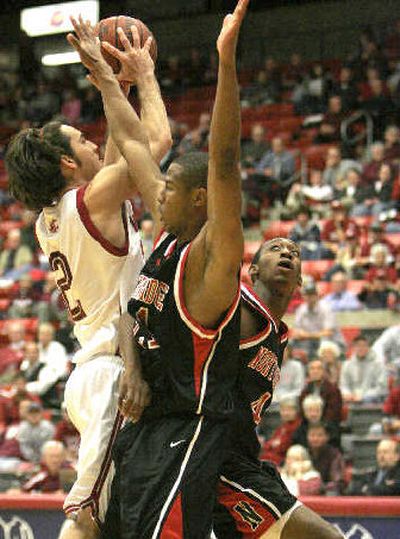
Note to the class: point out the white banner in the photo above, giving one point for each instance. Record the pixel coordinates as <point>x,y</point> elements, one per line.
<point>54,19</point>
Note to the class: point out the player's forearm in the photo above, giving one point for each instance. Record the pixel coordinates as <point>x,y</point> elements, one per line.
<point>123,122</point>
<point>127,345</point>
<point>154,116</point>
<point>224,145</point>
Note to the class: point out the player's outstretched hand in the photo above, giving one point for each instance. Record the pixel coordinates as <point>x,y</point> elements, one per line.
<point>227,39</point>
<point>88,46</point>
<point>134,396</point>
<point>135,60</point>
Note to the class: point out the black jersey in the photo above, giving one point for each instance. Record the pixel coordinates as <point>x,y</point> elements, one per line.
<point>260,362</point>
<point>190,369</point>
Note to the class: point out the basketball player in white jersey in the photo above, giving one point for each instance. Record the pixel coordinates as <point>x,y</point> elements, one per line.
<point>87,229</point>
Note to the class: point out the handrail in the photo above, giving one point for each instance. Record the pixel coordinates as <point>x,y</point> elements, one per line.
<point>356,117</point>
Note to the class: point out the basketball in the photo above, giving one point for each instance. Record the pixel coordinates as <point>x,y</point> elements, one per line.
<point>106,29</point>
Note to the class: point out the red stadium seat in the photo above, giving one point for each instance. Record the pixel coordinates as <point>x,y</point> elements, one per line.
<point>316,155</point>
<point>350,333</point>
<point>4,304</point>
<point>355,286</point>
<point>250,249</point>
<point>7,226</point>
<point>394,238</point>
<point>316,268</point>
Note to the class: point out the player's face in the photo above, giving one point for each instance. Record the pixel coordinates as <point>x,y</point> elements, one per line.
<point>280,263</point>
<point>174,201</point>
<point>86,152</point>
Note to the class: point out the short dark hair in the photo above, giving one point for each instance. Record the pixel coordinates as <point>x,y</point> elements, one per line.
<point>319,425</point>
<point>33,165</point>
<point>361,337</point>
<point>195,169</point>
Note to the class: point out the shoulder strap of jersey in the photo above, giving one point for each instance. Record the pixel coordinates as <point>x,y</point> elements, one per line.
<point>257,304</point>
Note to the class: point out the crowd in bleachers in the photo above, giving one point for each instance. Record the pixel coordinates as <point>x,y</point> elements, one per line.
<point>337,198</point>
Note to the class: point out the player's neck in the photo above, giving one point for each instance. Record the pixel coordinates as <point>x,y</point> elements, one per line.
<point>276,302</point>
<point>190,231</point>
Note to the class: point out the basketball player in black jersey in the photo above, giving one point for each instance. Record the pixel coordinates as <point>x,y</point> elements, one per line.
<point>184,315</point>
<point>253,500</point>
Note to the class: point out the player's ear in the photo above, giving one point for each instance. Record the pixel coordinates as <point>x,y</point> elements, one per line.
<point>254,272</point>
<point>199,196</point>
<point>67,164</point>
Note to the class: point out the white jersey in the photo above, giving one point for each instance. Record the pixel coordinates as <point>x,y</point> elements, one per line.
<point>95,277</point>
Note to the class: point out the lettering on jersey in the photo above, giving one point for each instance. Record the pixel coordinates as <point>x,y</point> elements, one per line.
<point>59,262</point>
<point>266,363</point>
<point>258,405</point>
<point>151,291</point>
<point>248,514</point>
<point>143,337</point>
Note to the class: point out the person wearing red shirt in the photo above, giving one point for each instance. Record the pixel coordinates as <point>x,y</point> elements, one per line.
<point>334,231</point>
<point>274,449</point>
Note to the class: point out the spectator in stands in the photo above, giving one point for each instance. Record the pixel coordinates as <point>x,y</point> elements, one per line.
<point>385,479</point>
<point>329,130</point>
<point>44,104</point>
<point>255,148</point>
<point>68,435</point>
<point>194,68</point>
<point>197,139</point>
<point>27,231</point>
<point>51,307</point>
<point>49,349</point>
<point>298,473</point>
<point>346,89</point>
<point>378,293</point>
<point>274,449</point>
<point>16,258</point>
<point>24,302</point>
<point>334,231</point>
<point>265,89</point>
<point>392,144</point>
<point>387,346</point>
<point>42,377</point>
<point>318,384</point>
<point>313,408</point>
<point>33,432</point>
<point>341,299</point>
<point>314,193</point>
<point>348,257</point>
<point>371,168</point>
<point>359,197</point>
<point>314,321</point>
<point>377,236</point>
<point>292,378</point>
<point>11,355</point>
<point>171,78</point>
<point>329,354</point>
<point>306,233</point>
<point>362,378</point>
<point>336,168</point>
<point>53,463</point>
<point>327,460</point>
<point>71,106</point>
<point>11,399</point>
<point>379,106</point>
<point>294,72</point>
<point>383,190</point>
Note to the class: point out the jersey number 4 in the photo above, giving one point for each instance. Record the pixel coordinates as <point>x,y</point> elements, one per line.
<point>59,263</point>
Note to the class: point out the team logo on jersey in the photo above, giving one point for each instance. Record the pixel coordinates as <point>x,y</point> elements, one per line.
<point>151,291</point>
<point>266,363</point>
<point>248,514</point>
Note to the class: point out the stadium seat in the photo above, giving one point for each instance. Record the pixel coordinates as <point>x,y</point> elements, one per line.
<point>394,238</point>
<point>250,249</point>
<point>278,229</point>
<point>364,452</point>
<point>316,155</point>
<point>316,268</point>
<point>350,333</point>
<point>362,416</point>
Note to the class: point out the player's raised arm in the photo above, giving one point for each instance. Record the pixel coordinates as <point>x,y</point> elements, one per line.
<point>125,126</point>
<point>137,67</point>
<point>219,247</point>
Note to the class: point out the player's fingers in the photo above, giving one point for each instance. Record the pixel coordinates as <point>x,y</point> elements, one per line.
<point>135,37</point>
<point>77,28</point>
<point>72,40</point>
<point>83,26</point>
<point>112,50</point>
<point>148,43</point>
<point>124,40</point>
<point>241,8</point>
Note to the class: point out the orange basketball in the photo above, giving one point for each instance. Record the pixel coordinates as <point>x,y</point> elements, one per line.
<point>106,29</point>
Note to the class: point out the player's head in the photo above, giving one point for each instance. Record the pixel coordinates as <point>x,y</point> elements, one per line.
<point>43,163</point>
<point>183,200</point>
<point>277,264</point>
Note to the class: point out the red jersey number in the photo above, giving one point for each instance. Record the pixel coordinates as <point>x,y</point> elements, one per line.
<point>58,262</point>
